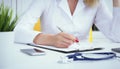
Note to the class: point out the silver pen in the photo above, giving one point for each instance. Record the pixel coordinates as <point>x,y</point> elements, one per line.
<point>60,29</point>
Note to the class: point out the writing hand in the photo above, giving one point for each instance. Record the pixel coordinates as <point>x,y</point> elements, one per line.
<point>60,40</point>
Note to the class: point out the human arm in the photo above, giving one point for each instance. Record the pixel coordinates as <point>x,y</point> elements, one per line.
<point>107,22</point>
<point>24,32</point>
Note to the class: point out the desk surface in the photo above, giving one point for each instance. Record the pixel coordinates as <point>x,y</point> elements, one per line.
<point>12,58</point>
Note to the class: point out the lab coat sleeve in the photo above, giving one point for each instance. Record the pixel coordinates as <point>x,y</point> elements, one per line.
<point>108,23</point>
<point>24,32</point>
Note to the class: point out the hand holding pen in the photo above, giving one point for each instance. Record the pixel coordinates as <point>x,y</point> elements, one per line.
<point>64,40</point>
<point>60,40</point>
<point>76,39</point>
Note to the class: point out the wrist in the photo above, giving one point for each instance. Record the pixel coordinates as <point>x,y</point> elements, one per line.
<point>36,39</point>
<point>43,39</point>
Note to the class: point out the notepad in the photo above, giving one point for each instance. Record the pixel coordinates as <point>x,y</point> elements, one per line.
<point>71,49</point>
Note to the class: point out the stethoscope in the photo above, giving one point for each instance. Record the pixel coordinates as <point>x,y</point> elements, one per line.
<point>85,56</point>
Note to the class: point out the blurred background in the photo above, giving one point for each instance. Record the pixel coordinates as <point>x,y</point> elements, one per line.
<point>20,6</point>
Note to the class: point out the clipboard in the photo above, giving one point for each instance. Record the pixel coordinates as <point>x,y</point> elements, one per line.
<point>61,50</point>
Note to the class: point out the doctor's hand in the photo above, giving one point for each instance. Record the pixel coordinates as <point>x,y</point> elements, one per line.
<point>60,40</point>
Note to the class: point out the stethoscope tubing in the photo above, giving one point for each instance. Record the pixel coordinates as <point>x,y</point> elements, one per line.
<point>109,55</point>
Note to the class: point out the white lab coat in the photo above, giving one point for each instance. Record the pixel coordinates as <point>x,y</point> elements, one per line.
<point>56,13</point>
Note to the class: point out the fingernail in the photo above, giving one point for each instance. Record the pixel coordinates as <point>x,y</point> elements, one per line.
<point>77,40</point>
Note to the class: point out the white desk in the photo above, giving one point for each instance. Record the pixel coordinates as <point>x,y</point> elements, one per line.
<point>12,58</point>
